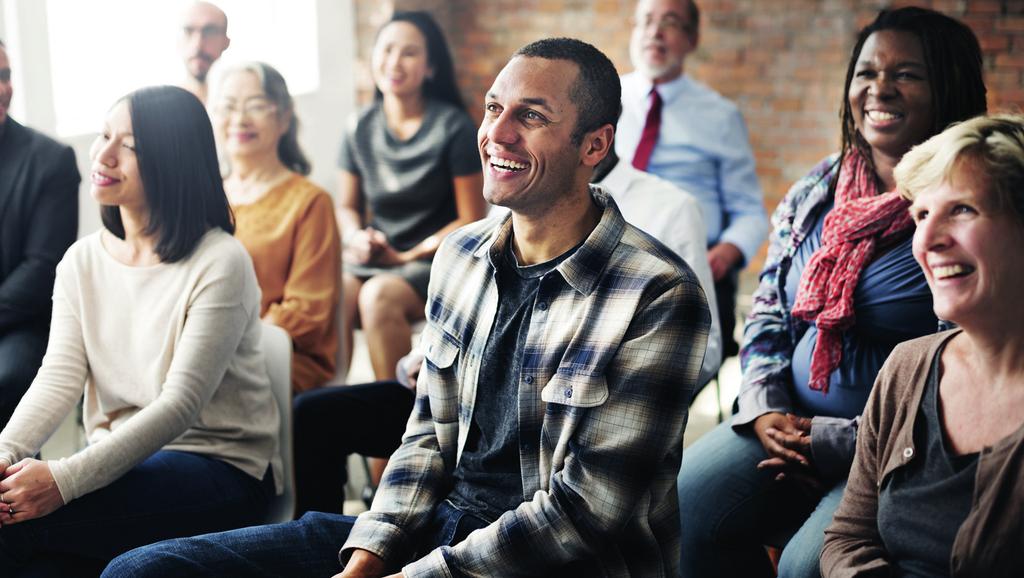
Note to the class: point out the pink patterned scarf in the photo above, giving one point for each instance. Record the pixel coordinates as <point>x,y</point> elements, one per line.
<point>861,220</point>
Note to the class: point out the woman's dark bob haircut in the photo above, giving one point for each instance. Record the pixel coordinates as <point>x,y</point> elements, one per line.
<point>952,56</point>
<point>441,86</point>
<point>180,175</point>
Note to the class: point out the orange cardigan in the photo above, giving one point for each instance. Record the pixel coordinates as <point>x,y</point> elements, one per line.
<point>293,239</point>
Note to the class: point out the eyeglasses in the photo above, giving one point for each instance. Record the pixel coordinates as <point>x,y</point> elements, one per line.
<point>208,31</point>
<point>663,24</point>
<point>256,108</point>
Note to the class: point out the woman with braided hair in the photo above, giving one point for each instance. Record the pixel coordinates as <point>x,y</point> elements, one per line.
<point>839,290</point>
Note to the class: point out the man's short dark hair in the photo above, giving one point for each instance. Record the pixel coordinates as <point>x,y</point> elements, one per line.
<point>596,93</point>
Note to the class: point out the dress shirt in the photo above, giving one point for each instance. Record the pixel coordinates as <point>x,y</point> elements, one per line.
<point>612,354</point>
<point>703,149</point>
<point>672,216</point>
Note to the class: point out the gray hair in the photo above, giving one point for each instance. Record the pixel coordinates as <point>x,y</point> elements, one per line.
<point>276,89</point>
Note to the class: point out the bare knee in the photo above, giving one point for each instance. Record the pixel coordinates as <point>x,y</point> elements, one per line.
<point>384,298</point>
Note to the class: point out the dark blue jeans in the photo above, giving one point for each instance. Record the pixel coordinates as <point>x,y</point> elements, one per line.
<point>730,510</point>
<point>170,494</point>
<point>307,547</point>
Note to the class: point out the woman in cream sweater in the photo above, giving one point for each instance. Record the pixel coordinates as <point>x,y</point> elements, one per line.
<point>156,322</point>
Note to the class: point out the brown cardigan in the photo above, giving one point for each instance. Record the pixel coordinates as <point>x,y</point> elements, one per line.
<point>990,542</point>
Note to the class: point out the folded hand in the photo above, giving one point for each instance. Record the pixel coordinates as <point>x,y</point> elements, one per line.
<point>27,491</point>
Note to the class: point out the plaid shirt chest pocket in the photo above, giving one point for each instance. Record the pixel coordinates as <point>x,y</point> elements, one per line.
<point>441,351</point>
<point>569,397</point>
<point>574,389</point>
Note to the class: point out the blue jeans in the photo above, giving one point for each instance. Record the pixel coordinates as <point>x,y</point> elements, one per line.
<point>306,547</point>
<point>170,494</point>
<point>730,510</point>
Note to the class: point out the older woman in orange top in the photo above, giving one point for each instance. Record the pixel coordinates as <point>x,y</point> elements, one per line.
<point>285,221</point>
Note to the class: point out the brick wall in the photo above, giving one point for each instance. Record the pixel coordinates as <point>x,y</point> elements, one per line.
<point>781,61</point>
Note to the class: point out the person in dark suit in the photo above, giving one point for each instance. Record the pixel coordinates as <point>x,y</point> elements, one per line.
<point>38,222</point>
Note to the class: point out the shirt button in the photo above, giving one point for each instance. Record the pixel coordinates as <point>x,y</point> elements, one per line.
<point>568,392</point>
<point>543,306</point>
<point>908,452</point>
<point>528,379</point>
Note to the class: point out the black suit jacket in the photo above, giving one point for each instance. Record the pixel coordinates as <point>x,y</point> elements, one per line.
<point>38,222</point>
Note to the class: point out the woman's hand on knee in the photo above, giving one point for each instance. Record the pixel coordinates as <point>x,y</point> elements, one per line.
<point>784,439</point>
<point>28,491</point>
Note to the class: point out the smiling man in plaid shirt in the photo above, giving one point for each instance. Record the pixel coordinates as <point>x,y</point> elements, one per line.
<point>562,345</point>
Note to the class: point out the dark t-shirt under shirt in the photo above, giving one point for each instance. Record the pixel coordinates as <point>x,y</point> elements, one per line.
<point>488,479</point>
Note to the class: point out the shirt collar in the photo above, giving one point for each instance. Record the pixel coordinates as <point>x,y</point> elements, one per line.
<point>583,268</point>
<point>667,90</point>
<point>617,181</point>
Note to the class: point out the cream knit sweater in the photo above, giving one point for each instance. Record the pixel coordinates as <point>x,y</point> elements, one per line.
<point>167,357</point>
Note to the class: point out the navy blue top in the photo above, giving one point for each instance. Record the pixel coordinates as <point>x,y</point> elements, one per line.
<point>892,303</point>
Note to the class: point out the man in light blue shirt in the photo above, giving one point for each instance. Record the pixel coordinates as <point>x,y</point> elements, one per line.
<point>699,143</point>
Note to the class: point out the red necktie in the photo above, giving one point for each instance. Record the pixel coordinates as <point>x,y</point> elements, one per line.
<point>650,135</point>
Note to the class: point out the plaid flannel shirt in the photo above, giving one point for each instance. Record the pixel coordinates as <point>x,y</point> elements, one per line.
<point>612,353</point>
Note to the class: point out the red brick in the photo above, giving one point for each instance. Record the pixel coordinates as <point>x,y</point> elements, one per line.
<point>1003,77</point>
<point>1014,60</point>
<point>1010,24</point>
<point>951,7</point>
<point>782,61</point>
<point>980,24</point>
<point>1010,100</point>
<point>984,7</point>
<point>994,42</point>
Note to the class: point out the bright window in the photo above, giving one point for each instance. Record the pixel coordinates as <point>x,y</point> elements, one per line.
<point>103,49</point>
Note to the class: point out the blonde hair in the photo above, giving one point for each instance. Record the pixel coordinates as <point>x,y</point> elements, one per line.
<point>991,146</point>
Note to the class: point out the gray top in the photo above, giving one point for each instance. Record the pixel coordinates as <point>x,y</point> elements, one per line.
<point>921,506</point>
<point>407,185</point>
<point>488,479</point>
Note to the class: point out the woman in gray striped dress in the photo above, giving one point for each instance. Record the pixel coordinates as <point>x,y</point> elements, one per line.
<point>409,175</point>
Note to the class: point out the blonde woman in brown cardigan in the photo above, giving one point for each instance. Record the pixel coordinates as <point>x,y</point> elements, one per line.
<point>284,220</point>
<point>937,485</point>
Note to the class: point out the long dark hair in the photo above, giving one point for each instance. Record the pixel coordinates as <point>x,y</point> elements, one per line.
<point>953,59</point>
<point>179,171</point>
<point>442,85</point>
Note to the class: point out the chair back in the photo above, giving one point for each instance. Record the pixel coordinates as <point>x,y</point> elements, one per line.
<point>341,362</point>
<point>277,350</point>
